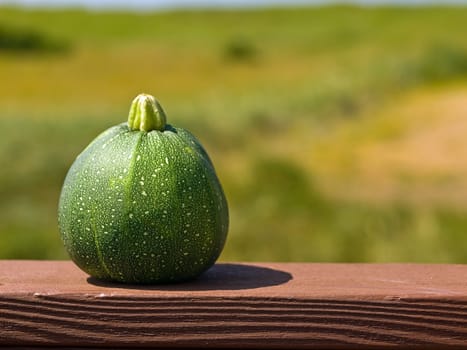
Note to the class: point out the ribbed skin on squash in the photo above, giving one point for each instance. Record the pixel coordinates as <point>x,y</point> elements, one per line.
<point>143,207</point>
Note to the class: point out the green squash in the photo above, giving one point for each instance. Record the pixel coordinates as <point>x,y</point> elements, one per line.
<point>142,203</point>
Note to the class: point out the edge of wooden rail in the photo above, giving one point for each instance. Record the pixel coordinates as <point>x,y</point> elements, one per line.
<point>248,305</point>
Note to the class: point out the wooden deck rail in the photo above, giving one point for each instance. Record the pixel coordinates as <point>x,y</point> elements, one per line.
<point>238,305</point>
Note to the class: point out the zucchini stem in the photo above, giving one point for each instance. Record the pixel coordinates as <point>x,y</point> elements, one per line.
<point>146,114</point>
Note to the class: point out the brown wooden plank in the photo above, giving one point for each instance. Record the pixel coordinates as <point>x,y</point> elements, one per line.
<point>260,305</point>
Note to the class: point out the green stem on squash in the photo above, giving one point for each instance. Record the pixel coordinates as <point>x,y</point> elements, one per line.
<point>146,114</point>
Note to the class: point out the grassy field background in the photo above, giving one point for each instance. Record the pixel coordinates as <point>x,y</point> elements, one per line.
<point>338,132</point>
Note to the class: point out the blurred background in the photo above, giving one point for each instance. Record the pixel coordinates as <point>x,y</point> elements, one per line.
<point>339,131</point>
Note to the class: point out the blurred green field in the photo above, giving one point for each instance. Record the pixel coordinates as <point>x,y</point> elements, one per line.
<point>338,132</point>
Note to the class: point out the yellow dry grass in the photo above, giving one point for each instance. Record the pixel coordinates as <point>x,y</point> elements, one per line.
<point>414,150</point>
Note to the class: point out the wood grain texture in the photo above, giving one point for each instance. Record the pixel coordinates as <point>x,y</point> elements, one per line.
<point>267,305</point>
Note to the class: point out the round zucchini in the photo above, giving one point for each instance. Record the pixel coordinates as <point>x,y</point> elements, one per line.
<point>142,203</point>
